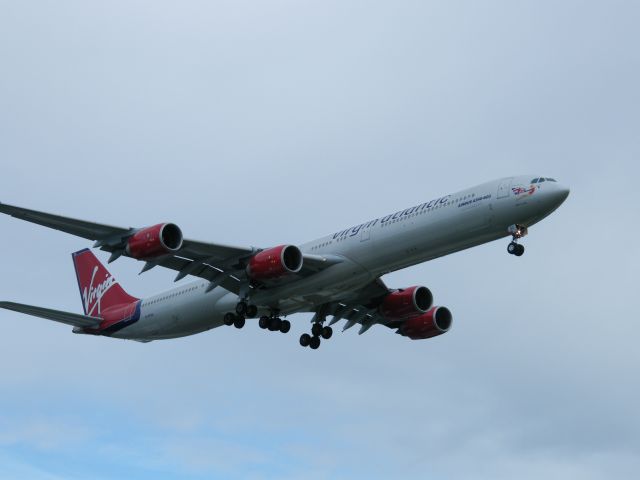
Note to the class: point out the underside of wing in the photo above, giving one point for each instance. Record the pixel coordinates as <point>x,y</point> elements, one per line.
<point>359,307</point>
<point>409,311</point>
<point>68,318</point>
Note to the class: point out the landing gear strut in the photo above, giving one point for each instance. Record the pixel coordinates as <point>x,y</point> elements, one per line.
<point>517,232</point>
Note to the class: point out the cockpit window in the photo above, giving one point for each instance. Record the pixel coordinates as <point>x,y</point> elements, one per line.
<point>535,180</point>
<point>551,180</point>
<point>541,180</point>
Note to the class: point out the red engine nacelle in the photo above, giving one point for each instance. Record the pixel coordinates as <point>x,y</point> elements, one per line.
<point>406,303</point>
<point>154,241</point>
<point>433,323</point>
<point>274,263</point>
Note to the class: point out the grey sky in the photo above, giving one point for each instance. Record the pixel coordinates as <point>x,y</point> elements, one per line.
<point>268,122</point>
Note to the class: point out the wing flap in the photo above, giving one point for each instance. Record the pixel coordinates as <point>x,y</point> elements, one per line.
<point>73,319</point>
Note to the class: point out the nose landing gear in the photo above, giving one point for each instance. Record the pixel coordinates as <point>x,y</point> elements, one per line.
<point>515,249</point>
<point>517,232</point>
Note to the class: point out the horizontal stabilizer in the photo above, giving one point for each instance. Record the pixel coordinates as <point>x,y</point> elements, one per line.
<point>69,318</point>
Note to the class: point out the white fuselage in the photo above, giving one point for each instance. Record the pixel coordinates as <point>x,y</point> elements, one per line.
<point>417,234</point>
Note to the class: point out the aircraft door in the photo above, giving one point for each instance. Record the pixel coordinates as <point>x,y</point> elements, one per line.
<point>504,187</point>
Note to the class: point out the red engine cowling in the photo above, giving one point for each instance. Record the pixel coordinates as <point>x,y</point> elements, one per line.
<point>274,263</point>
<point>433,323</point>
<point>154,241</point>
<point>407,303</point>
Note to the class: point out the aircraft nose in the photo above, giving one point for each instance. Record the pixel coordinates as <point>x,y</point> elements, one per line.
<point>560,194</point>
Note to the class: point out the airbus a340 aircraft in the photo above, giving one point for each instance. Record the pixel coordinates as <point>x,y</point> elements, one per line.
<point>336,276</point>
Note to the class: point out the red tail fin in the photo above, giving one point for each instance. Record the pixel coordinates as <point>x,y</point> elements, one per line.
<point>98,288</point>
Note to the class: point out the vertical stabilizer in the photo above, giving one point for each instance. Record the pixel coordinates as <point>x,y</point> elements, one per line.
<point>99,290</point>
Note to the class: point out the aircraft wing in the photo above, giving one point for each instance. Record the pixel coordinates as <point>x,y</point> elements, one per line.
<point>361,307</point>
<point>69,318</point>
<point>222,265</point>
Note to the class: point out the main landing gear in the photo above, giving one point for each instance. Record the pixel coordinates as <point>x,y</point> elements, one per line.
<point>237,321</point>
<point>244,309</point>
<point>517,232</point>
<point>274,323</point>
<point>313,340</point>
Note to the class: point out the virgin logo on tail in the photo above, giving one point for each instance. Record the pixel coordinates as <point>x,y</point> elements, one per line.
<point>92,295</point>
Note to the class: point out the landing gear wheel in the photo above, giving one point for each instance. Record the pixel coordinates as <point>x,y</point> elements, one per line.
<point>519,250</point>
<point>263,323</point>
<point>239,322</point>
<point>316,330</point>
<point>252,311</point>
<point>512,248</point>
<point>241,308</point>
<point>327,332</point>
<point>305,339</point>
<point>314,343</point>
<point>229,318</point>
<point>285,326</point>
<point>274,324</point>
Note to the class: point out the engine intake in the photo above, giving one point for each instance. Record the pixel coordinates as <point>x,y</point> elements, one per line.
<point>406,303</point>
<point>275,263</point>
<point>155,241</point>
<point>433,323</point>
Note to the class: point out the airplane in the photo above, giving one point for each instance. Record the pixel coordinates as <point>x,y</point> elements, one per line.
<point>337,276</point>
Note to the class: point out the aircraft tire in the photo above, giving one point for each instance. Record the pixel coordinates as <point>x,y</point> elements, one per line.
<point>241,308</point>
<point>314,343</point>
<point>305,339</point>
<point>285,326</point>
<point>239,322</point>
<point>327,332</point>
<point>229,318</point>
<point>263,323</point>
<point>252,311</point>
<point>274,324</point>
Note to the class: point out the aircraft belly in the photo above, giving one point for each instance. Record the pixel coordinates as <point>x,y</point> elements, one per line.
<point>195,314</point>
<point>329,284</point>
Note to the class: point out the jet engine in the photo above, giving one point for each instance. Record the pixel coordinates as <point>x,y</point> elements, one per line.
<point>431,324</point>
<point>155,241</point>
<point>274,263</point>
<point>406,303</point>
